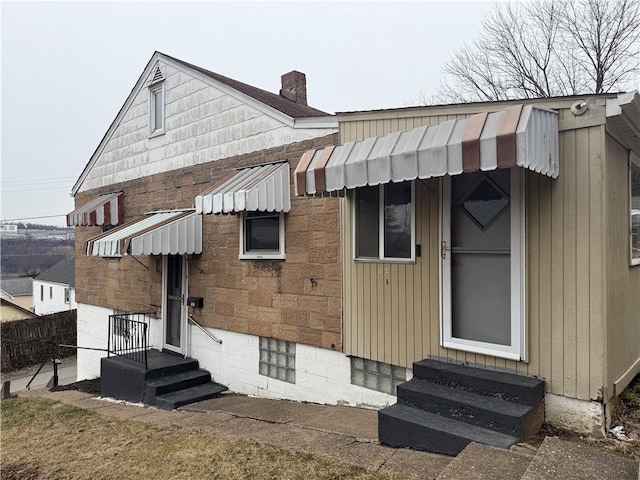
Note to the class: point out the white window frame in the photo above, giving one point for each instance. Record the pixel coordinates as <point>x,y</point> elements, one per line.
<point>262,254</point>
<point>50,292</point>
<point>67,295</point>
<point>381,257</point>
<point>154,88</point>
<point>632,261</point>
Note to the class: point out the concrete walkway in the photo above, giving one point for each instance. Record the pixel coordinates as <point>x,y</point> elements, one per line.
<point>66,374</point>
<point>349,435</point>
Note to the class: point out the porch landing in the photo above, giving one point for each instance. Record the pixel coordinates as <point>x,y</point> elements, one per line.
<point>169,381</point>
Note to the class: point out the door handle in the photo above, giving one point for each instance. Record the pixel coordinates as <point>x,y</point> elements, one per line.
<point>443,249</point>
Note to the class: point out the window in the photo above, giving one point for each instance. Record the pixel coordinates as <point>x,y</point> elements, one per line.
<point>384,222</point>
<point>278,359</point>
<point>50,293</point>
<point>42,293</point>
<point>67,295</point>
<point>262,235</point>
<point>379,376</point>
<point>634,188</point>
<point>156,108</point>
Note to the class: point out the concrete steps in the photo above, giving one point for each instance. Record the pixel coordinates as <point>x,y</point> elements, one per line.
<point>168,382</point>
<point>185,396</point>
<point>447,406</point>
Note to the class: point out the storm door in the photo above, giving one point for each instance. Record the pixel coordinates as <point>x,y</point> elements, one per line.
<point>482,270</point>
<point>174,303</point>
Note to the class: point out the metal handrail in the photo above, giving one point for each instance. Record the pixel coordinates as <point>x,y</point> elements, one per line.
<point>127,337</point>
<point>52,357</point>
<point>206,332</point>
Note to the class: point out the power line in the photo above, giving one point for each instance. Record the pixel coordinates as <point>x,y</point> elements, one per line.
<point>31,189</point>
<point>29,180</point>
<point>31,218</point>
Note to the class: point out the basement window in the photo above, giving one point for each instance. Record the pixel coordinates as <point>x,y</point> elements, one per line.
<point>278,359</point>
<point>379,376</point>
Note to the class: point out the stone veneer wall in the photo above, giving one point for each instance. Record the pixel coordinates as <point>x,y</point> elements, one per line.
<point>257,297</point>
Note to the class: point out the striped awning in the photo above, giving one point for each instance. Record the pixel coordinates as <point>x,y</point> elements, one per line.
<point>105,209</point>
<point>256,189</point>
<point>175,232</point>
<point>521,135</point>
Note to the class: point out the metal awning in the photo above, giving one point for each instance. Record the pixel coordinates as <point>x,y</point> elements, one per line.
<point>521,135</point>
<point>105,209</point>
<point>264,188</point>
<point>175,232</point>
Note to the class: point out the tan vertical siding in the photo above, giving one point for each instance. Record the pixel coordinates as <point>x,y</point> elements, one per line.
<point>622,280</point>
<point>398,305</point>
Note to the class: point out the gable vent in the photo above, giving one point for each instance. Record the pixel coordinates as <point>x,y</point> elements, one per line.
<point>158,75</point>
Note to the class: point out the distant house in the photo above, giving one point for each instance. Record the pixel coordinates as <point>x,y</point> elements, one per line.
<point>18,291</point>
<point>10,311</point>
<point>54,289</point>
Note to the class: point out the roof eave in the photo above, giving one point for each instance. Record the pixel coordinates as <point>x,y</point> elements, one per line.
<point>623,119</point>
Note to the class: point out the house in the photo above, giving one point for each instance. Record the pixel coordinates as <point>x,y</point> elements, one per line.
<point>187,235</point>
<point>11,311</point>
<point>18,290</point>
<point>494,235</point>
<point>54,289</point>
<point>492,241</point>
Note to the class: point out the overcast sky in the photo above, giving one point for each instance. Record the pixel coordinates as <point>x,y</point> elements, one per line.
<point>67,68</point>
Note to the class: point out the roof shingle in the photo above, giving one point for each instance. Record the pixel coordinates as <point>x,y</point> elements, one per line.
<point>62,272</point>
<point>278,102</point>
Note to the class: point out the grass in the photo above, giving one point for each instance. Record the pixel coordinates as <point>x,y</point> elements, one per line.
<point>44,439</point>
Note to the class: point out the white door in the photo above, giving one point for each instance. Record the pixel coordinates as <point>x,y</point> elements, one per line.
<point>173,303</point>
<point>482,268</point>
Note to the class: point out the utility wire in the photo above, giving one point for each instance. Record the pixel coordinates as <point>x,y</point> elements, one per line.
<point>31,218</point>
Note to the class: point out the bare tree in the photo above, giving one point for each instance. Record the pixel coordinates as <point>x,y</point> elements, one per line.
<point>548,48</point>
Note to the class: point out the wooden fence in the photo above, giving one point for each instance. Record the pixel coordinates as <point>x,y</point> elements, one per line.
<point>31,341</point>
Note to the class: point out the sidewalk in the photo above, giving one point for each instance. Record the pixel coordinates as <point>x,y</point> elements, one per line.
<point>349,435</point>
<point>66,374</point>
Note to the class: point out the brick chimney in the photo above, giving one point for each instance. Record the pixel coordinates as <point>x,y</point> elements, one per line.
<point>294,87</point>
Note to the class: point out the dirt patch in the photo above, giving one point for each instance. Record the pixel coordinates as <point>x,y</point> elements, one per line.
<point>626,414</point>
<point>87,386</point>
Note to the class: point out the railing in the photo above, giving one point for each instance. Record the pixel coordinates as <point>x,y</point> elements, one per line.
<point>193,321</point>
<point>53,357</point>
<point>127,337</point>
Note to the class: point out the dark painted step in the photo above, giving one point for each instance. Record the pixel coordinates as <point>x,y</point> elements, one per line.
<point>179,398</point>
<point>490,383</point>
<point>404,426</point>
<point>161,364</point>
<point>171,383</point>
<point>488,412</point>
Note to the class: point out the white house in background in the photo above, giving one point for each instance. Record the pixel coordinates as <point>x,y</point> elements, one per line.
<point>54,289</point>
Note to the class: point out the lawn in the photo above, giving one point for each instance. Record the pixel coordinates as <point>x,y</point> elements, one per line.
<point>44,439</point>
